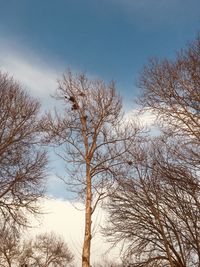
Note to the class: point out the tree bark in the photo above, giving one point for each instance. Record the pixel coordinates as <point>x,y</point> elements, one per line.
<point>88,221</point>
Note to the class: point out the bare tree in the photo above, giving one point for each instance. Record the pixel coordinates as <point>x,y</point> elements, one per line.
<point>156,211</point>
<point>22,161</point>
<point>93,139</point>
<point>46,250</point>
<point>171,89</point>
<point>9,246</point>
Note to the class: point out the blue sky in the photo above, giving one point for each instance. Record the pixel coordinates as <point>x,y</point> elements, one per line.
<point>109,39</point>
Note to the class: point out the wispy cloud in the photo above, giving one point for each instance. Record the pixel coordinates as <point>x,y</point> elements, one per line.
<point>26,67</point>
<point>145,119</point>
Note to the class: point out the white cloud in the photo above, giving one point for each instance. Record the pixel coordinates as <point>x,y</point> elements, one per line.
<point>67,220</point>
<point>145,118</point>
<point>27,68</point>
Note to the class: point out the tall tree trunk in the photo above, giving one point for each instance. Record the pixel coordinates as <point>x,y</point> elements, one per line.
<point>88,221</point>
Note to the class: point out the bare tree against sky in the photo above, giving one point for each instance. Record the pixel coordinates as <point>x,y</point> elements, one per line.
<point>9,245</point>
<point>46,250</point>
<point>22,161</point>
<point>91,140</point>
<point>43,250</point>
<point>156,211</point>
<point>171,89</point>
